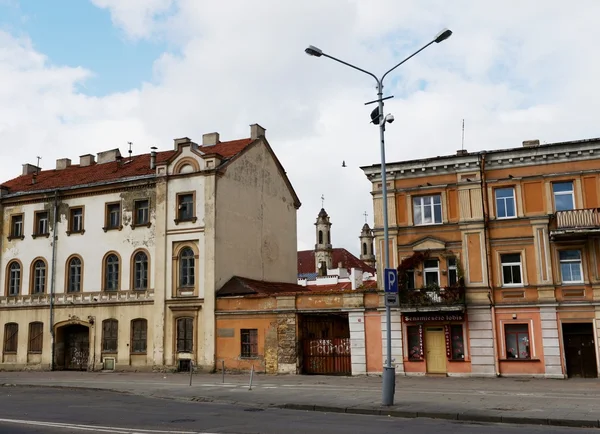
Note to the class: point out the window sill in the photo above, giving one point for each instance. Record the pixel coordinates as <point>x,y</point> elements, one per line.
<point>15,237</point>
<point>141,225</point>
<point>10,353</point>
<point>250,357</point>
<point>428,224</point>
<point>133,353</point>
<point>572,283</point>
<point>81,232</point>
<point>109,353</point>
<point>115,228</point>
<point>190,220</point>
<point>519,360</point>
<point>34,352</point>
<point>512,286</point>
<point>46,235</point>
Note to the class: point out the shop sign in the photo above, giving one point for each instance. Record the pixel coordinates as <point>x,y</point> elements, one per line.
<point>432,316</point>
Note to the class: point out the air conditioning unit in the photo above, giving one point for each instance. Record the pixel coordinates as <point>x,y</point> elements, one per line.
<point>108,364</point>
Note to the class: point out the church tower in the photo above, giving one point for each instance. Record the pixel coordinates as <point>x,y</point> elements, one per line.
<point>323,249</point>
<point>367,254</point>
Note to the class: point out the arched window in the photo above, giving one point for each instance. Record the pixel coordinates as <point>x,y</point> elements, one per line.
<point>139,334</point>
<point>140,271</point>
<point>110,335</point>
<point>14,278</point>
<point>38,285</point>
<point>74,275</point>
<point>187,268</point>
<point>320,237</point>
<point>185,335</point>
<point>364,248</point>
<point>111,273</point>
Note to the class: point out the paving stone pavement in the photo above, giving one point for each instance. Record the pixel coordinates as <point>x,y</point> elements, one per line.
<point>573,402</point>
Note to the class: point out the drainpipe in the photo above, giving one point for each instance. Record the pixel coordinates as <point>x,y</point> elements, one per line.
<point>484,206</point>
<point>53,279</point>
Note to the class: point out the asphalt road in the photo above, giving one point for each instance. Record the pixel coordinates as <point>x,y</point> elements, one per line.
<point>27,410</point>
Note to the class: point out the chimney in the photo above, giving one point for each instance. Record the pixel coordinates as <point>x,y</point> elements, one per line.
<point>30,169</point>
<point>210,139</point>
<point>86,160</point>
<point>153,157</point>
<point>531,143</point>
<point>256,131</point>
<point>108,156</point>
<point>62,163</point>
<point>356,277</point>
<point>462,152</point>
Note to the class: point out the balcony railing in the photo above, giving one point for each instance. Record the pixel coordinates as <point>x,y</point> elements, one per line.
<point>578,219</point>
<point>432,296</point>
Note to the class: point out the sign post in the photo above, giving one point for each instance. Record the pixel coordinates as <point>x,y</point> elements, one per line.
<point>391,287</point>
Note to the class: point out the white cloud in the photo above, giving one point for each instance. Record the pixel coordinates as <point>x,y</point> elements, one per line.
<point>513,70</point>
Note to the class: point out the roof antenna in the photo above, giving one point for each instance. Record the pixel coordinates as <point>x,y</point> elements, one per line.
<point>462,146</point>
<point>37,167</point>
<point>130,151</point>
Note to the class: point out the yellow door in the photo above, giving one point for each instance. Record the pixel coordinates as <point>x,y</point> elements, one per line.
<point>435,347</point>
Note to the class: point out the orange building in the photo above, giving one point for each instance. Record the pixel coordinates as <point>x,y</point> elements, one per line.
<point>499,259</point>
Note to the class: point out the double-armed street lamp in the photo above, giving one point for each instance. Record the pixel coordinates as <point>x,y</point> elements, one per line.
<point>377,117</point>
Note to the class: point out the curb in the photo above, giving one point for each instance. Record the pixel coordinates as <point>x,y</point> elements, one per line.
<point>463,417</point>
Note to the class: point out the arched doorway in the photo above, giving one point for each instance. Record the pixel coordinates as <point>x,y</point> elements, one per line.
<point>72,350</point>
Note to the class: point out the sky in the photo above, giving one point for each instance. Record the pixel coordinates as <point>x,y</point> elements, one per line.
<point>93,75</point>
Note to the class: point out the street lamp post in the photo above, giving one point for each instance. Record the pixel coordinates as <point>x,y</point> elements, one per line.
<point>389,371</point>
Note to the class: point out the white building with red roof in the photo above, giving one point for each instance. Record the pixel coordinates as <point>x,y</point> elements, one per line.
<point>113,263</point>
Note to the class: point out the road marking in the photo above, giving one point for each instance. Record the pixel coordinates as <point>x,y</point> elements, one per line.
<point>96,428</point>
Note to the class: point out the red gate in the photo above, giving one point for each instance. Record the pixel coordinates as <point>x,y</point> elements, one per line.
<point>326,345</point>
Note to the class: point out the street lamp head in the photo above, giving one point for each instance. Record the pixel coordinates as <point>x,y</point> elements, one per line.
<point>313,51</point>
<point>443,35</point>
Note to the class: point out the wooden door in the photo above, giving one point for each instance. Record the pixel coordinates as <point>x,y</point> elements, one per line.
<point>435,350</point>
<point>580,351</point>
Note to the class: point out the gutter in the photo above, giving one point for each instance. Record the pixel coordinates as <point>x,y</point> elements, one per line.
<point>53,279</point>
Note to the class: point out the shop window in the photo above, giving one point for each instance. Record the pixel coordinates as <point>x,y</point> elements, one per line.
<point>511,269</point>
<point>427,210</point>
<point>249,343</point>
<point>571,270</point>
<point>517,341</point>
<point>457,344</point>
<point>414,335</point>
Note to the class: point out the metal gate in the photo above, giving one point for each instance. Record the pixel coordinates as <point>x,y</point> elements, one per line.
<point>326,345</point>
<point>77,348</point>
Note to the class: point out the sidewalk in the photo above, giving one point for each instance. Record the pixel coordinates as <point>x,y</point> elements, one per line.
<point>574,402</point>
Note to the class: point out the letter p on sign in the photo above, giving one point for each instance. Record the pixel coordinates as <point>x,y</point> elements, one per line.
<point>391,280</point>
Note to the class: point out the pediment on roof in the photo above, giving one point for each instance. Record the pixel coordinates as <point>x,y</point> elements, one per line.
<point>429,243</point>
<point>189,159</point>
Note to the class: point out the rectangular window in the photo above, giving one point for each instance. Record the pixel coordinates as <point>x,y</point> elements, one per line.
<point>142,208</point>
<point>427,210</point>
<point>564,197</point>
<point>11,337</point>
<point>571,269</point>
<point>452,272</point>
<point>16,226</point>
<point>249,342</point>
<point>511,269</point>
<point>457,342</point>
<point>415,343</point>
<point>36,336</point>
<point>76,220</point>
<point>517,341</point>
<point>185,335</point>
<point>505,203</point>
<point>185,207</point>
<point>41,223</point>
<point>139,332</point>
<point>110,335</point>
<point>410,279</point>
<point>113,216</point>
<point>431,268</point>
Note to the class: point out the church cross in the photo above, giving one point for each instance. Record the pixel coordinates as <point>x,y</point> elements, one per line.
<point>365,214</point>
<point>322,200</point>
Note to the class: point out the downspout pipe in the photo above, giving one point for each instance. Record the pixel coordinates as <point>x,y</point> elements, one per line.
<point>53,280</point>
<point>486,238</point>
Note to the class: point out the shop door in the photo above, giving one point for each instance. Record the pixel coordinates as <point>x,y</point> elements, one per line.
<point>435,350</point>
<point>580,351</point>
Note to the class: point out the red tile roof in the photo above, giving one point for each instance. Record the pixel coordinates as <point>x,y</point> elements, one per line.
<point>306,261</point>
<point>75,175</point>
<point>243,286</point>
<point>343,286</point>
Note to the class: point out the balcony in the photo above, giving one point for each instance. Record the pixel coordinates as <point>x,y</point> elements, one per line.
<point>573,223</point>
<point>432,298</point>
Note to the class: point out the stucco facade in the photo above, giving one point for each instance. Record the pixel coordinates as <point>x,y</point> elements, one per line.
<point>499,253</point>
<point>114,262</point>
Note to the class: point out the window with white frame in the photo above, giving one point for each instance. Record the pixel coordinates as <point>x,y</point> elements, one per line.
<point>452,271</point>
<point>431,270</point>
<point>571,269</point>
<point>517,341</point>
<point>564,197</point>
<point>512,274</point>
<point>427,210</point>
<point>505,203</point>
